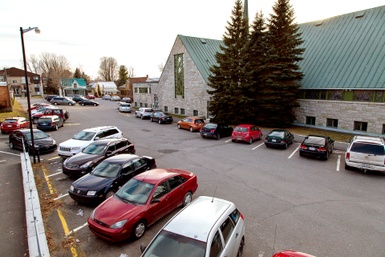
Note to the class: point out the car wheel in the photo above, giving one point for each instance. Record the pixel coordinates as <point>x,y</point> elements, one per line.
<point>326,156</point>
<point>286,145</point>
<point>240,249</point>
<point>159,121</point>
<point>250,140</point>
<point>139,229</point>
<point>191,129</point>
<point>82,104</point>
<point>187,199</point>
<point>233,140</point>
<point>69,104</point>
<point>95,104</point>
<point>218,136</point>
<point>178,126</point>
<point>56,127</point>
<point>141,117</point>
<point>11,145</point>
<point>55,103</point>
<point>109,194</point>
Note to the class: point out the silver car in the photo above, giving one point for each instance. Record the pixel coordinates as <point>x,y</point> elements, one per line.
<point>208,226</point>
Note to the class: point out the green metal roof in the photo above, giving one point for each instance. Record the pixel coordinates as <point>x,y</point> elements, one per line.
<point>345,51</point>
<point>202,52</point>
<point>68,82</point>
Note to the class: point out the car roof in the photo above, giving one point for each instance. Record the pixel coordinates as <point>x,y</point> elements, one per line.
<point>245,125</point>
<point>14,118</point>
<point>154,175</point>
<point>199,217</point>
<point>121,158</point>
<point>368,139</point>
<point>95,129</point>
<point>106,141</point>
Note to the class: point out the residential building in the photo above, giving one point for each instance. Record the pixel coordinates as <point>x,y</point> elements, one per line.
<point>71,87</point>
<point>126,90</point>
<point>102,88</point>
<point>146,94</point>
<point>15,79</point>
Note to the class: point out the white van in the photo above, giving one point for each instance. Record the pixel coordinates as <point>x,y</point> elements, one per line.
<point>208,226</point>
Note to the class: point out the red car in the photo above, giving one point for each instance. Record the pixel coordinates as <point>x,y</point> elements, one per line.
<point>90,96</point>
<point>13,123</point>
<point>246,133</point>
<point>140,202</point>
<point>291,253</point>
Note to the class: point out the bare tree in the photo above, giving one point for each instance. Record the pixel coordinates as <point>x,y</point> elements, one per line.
<point>131,72</point>
<point>33,64</point>
<point>54,68</point>
<point>108,69</point>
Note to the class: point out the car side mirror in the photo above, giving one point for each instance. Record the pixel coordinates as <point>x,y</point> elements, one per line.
<point>142,247</point>
<point>108,153</point>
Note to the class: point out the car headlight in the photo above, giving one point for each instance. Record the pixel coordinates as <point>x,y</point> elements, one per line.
<point>92,214</point>
<point>54,142</point>
<point>91,193</point>
<point>118,224</point>
<point>85,165</point>
<point>72,188</point>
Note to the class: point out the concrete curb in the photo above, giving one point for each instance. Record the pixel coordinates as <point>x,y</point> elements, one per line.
<point>37,241</point>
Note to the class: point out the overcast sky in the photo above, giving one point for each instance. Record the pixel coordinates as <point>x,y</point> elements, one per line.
<point>138,34</point>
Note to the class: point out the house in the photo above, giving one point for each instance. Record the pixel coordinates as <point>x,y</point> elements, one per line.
<point>126,90</point>
<point>146,94</point>
<point>102,88</point>
<point>71,87</point>
<point>15,79</point>
<point>344,74</point>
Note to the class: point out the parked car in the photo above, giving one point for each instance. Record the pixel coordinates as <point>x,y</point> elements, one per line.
<point>21,138</point>
<point>52,122</point>
<point>49,97</point>
<point>316,146</point>
<point>142,201</point>
<point>279,137</point>
<point>106,97</point>
<point>124,107</point>
<point>62,100</point>
<point>246,133</point>
<point>85,137</point>
<point>83,162</point>
<point>88,102</point>
<point>36,106</point>
<point>216,130</point>
<point>143,113</point>
<point>13,123</point>
<point>207,227</point>
<point>115,98</point>
<point>192,123</point>
<point>366,153</point>
<point>78,98</point>
<point>63,113</point>
<point>90,96</point>
<point>126,100</point>
<point>108,176</point>
<point>291,253</point>
<point>41,109</point>
<point>161,118</point>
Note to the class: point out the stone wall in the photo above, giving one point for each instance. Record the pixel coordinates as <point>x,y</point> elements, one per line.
<point>346,112</point>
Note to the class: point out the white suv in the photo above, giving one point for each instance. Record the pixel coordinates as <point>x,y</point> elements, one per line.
<point>208,226</point>
<point>366,153</point>
<point>85,137</point>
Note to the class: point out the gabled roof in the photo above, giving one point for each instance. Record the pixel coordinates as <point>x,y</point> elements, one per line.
<point>104,84</point>
<point>15,72</point>
<point>202,51</point>
<point>70,82</point>
<point>345,51</point>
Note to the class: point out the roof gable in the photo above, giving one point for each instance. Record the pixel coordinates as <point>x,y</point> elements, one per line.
<point>72,82</point>
<point>345,51</point>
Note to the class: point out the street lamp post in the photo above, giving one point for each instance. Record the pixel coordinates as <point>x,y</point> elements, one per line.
<point>22,31</point>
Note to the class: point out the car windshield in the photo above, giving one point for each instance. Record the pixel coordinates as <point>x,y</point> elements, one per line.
<point>94,149</point>
<point>314,140</point>
<point>276,134</point>
<point>211,126</point>
<point>45,120</point>
<point>198,121</point>
<point>10,120</point>
<point>169,244</point>
<point>84,136</point>
<point>241,129</point>
<point>135,191</point>
<point>107,169</point>
<point>368,148</point>
<point>36,135</point>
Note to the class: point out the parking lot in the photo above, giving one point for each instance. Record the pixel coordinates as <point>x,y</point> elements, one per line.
<point>289,202</point>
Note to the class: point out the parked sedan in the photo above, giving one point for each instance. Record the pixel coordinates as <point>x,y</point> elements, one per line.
<point>83,162</point>
<point>108,176</point>
<point>141,202</point>
<point>115,98</point>
<point>216,130</point>
<point>13,123</point>
<point>279,137</point>
<point>20,139</point>
<point>88,102</point>
<point>316,146</point>
<point>51,122</point>
<point>78,98</point>
<point>161,118</point>
<point>246,133</point>
<point>106,97</point>
<point>191,123</point>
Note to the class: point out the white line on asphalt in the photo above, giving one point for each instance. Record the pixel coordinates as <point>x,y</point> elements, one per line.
<point>228,140</point>
<point>338,163</point>
<point>76,229</point>
<point>291,155</point>
<point>57,173</point>
<point>53,158</point>
<point>2,160</point>
<point>257,146</point>
<point>10,153</point>
<point>61,196</point>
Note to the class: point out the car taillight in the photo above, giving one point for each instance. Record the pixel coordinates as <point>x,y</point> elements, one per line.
<point>348,156</point>
<point>212,131</point>
<point>242,217</point>
<point>302,146</point>
<point>321,149</point>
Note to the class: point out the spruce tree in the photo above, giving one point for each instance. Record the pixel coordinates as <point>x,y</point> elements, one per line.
<point>228,102</point>
<point>278,96</point>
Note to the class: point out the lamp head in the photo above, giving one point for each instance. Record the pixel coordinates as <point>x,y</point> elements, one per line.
<point>37,30</point>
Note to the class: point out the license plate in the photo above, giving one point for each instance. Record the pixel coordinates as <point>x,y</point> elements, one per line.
<point>43,124</point>
<point>273,140</point>
<point>311,148</point>
<point>9,126</point>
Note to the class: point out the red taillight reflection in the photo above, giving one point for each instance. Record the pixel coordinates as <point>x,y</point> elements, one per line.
<point>348,155</point>
<point>243,218</point>
<point>322,149</point>
<point>302,146</point>
<point>212,131</point>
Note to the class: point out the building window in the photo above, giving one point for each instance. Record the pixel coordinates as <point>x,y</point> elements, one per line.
<point>383,128</point>
<point>179,75</point>
<point>362,95</point>
<point>15,81</point>
<point>195,112</point>
<point>143,90</point>
<point>136,104</point>
<point>165,108</point>
<point>360,126</point>
<point>182,111</point>
<point>312,94</point>
<point>140,105</point>
<point>136,90</point>
<point>145,105</point>
<point>379,96</point>
<point>176,110</point>
<point>336,94</point>
<point>332,123</point>
<point>310,120</point>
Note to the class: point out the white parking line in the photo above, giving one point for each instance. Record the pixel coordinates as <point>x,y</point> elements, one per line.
<point>61,196</point>
<point>76,229</point>
<point>338,163</point>
<point>257,146</point>
<point>228,140</point>
<point>57,173</point>
<point>291,155</point>
<point>14,154</point>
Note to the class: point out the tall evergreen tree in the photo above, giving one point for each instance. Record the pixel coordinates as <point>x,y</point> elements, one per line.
<point>123,75</point>
<point>227,80</point>
<point>279,94</point>
<point>77,74</point>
